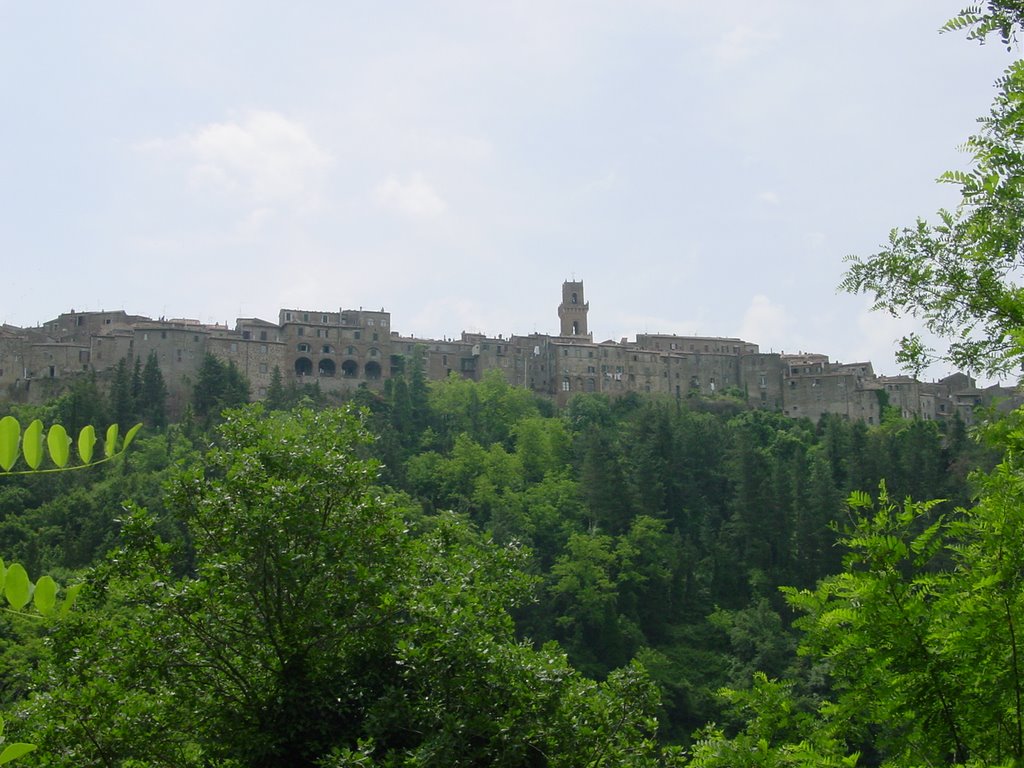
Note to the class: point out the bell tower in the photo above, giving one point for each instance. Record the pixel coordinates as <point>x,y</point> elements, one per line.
<point>572,312</point>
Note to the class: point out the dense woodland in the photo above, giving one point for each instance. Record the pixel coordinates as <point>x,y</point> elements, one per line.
<point>443,574</point>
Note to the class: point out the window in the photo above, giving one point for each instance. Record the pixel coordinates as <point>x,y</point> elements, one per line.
<point>234,346</point>
<point>263,367</point>
<point>305,317</point>
<point>302,331</point>
<point>263,348</point>
<point>246,334</point>
<point>369,321</point>
<point>566,386</point>
<point>327,349</point>
<point>263,336</point>
<point>288,316</point>
<point>163,334</point>
<point>357,335</point>
<point>303,347</point>
<point>323,319</point>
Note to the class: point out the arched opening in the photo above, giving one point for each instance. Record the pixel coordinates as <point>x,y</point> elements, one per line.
<point>575,299</point>
<point>327,368</point>
<point>303,367</point>
<point>575,328</point>
<point>590,385</point>
<point>372,370</point>
<point>350,369</point>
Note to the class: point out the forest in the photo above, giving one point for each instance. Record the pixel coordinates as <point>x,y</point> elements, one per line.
<point>455,573</point>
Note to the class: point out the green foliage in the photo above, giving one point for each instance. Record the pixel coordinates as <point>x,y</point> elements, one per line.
<point>921,631</point>
<point>30,446</point>
<point>1001,16</point>
<point>152,400</point>
<point>314,627</point>
<point>280,604</point>
<point>21,595</point>
<point>11,752</point>
<point>776,733</point>
<point>218,386</point>
<point>485,411</point>
<point>19,592</point>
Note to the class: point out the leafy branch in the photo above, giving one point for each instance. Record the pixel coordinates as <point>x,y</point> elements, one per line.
<point>34,444</point>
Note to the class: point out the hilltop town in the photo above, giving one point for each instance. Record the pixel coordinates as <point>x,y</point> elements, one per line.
<point>345,349</point>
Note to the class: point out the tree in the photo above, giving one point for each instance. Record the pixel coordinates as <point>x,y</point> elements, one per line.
<point>921,632</point>
<point>153,393</point>
<point>82,404</point>
<point>122,401</point>
<point>218,386</point>
<point>958,275</point>
<point>314,628</point>
<point>276,396</point>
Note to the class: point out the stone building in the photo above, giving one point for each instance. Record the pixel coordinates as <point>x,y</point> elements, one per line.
<point>345,349</point>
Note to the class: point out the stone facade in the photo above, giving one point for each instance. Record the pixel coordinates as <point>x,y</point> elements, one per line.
<point>345,349</point>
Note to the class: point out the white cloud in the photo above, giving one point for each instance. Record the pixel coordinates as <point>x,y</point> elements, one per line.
<point>261,158</point>
<point>414,198</point>
<point>770,197</point>
<point>604,183</point>
<point>739,44</point>
<point>768,325</point>
<point>815,241</point>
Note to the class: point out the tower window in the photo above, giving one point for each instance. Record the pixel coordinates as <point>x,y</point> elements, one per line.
<point>575,299</point>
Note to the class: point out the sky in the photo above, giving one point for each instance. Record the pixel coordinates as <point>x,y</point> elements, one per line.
<point>703,167</point>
